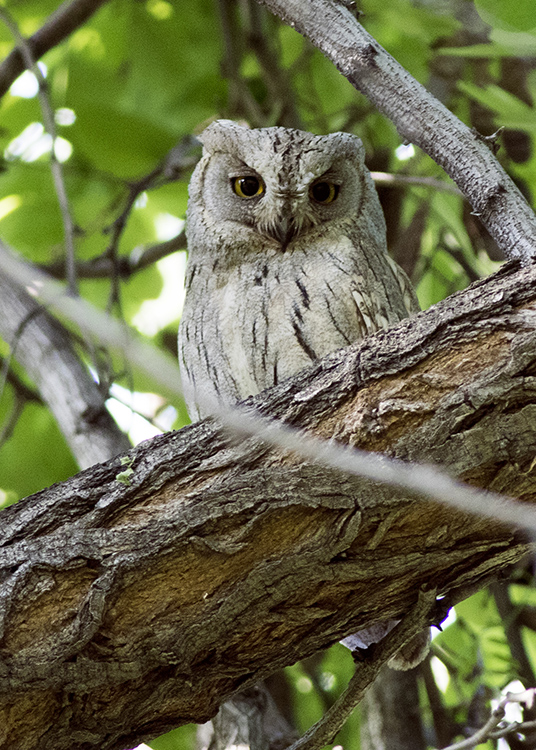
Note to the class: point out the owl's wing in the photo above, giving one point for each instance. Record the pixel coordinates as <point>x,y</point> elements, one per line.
<point>411,303</point>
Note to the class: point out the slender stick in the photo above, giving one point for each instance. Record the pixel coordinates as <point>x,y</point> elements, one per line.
<point>63,22</point>
<point>331,723</point>
<point>55,165</point>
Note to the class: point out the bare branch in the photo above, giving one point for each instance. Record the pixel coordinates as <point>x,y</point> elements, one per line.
<point>102,266</point>
<point>176,162</point>
<point>512,629</point>
<point>489,729</point>
<point>55,165</point>
<point>63,22</point>
<point>419,117</point>
<point>324,731</point>
<point>387,179</point>
<point>44,348</point>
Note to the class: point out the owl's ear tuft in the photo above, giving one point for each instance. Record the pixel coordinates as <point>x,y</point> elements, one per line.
<point>222,135</point>
<point>347,145</point>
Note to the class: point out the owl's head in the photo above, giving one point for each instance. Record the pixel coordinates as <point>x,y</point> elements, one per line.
<point>281,183</point>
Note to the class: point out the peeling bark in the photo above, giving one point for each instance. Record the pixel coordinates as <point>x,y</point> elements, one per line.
<point>129,609</point>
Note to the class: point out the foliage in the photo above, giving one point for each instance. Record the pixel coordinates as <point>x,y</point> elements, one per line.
<point>136,80</point>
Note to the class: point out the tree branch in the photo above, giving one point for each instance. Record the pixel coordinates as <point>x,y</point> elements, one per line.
<point>256,558</point>
<point>63,22</point>
<point>390,715</point>
<point>325,730</point>
<point>489,730</point>
<point>44,348</point>
<point>102,266</point>
<point>419,118</point>
<point>420,480</point>
<point>56,168</point>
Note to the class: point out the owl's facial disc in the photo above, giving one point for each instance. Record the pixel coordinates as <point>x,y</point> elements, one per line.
<point>281,212</point>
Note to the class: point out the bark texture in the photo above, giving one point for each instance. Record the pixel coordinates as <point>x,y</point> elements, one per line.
<point>45,349</point>
<point>130,604</point>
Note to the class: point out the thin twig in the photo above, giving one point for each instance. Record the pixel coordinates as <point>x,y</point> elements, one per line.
<point>55,165</point>
<point>5,370</point>
<point>515,727</point>
<point>102,266</point>
<point>275,77</point>
<point>176,163</point>
<point>512,627</point>
<point>241,101</point>
<point>459,257</point>
<point>24,391</point>
<point>386,179</point>
<point>9,424</point>
<point>366,672</point>
<point>497,715</point>
<point>22,394</point>
<point>58,26</point>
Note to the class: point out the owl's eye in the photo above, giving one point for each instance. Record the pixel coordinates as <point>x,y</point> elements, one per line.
<point>324,192</point>
<point>248,187</point>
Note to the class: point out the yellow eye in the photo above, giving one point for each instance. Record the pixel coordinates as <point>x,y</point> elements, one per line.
<point>324,192</point>
<point>248,187</point>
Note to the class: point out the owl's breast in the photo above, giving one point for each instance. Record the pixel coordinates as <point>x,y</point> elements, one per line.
<point>272,315</point>
<point>276,317</point>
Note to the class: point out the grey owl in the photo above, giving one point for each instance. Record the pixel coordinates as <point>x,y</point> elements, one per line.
<point>287,260</point>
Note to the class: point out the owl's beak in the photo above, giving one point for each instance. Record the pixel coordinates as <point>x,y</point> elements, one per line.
<point>283,230</point>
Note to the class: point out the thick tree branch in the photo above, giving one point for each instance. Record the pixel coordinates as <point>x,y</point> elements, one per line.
<point>44,348</point>
<point>422,480</point>
<point>68,17</point>
<point>129,607</point>
<point>419,118</point>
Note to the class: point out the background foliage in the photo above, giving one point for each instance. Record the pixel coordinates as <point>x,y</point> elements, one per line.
<point>134,83</point>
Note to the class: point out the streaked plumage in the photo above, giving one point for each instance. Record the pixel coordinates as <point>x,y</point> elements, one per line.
<point>278,279</point>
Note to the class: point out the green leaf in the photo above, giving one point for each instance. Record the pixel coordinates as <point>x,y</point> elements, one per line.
<point>177,739</point>
<point>36,454</point>
<point>520,15</point>
<point>511,112</point>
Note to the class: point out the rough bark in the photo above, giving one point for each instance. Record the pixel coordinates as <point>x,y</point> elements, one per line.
<point>44,348</point>
<point>419,118</point>
<point>130,605</point>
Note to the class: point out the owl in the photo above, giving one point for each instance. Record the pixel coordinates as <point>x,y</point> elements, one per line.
<point>287,260</point>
